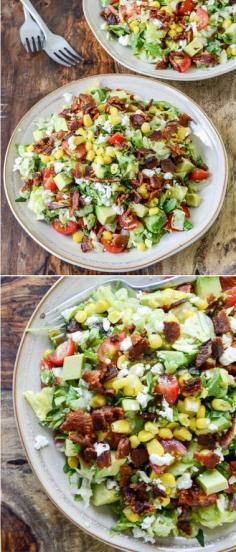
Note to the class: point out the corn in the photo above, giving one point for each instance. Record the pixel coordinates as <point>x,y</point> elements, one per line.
<point>90,308</point>
<point>101,108</point>
<point>167,479</point>
<point>101,306</point>
<point>30,148</point>
<point>114,119</point>
<point>155,341</point>
<point>59,154</point>
<point>184,420</point>
<point>191,405</point>
<point>120,361</point>
<point>141,246</point>
<point>87,120</point>
<point>73,462</point>
<point>153,475</point>
<point>131,516</point>
<point>154,447</point>
<point>143,191</point>
<point>88,146</point>
<point>192,424</point>
<point>153,211</point>
<point>108,384</point>
<point>145,436</point>
<point>183,378</point>
<point>90,135</point>
<point>180,406</point>
<point>98,400</point>
<point>113,111</point>
<point>226,23</point>
<point>145,128</point>
<point>201,411</point>
<point>133,386</point>
<point>202,305</point>
<point>46,158</point>
<point>99,159</point>
<point>151,427</point>
<point>163,501</point>
<point>183,434</point>
<point>202,423</point>
<point>77,236</point>
<point>155,5</point>
<point>134,441</point>
<point>231,51</point>
<point>165,433</point>
<point>90,155</point>
<point>107,235</point>
<point>121,426</point>
<point>107,159</point>
<point>47,352</point>
<point>79,140</point>
<point>154,202</point>
<point>114,316</point>
<point>221,405</point>
<point>81,316</point>
<point>82,132</point>
<point>134,26</point>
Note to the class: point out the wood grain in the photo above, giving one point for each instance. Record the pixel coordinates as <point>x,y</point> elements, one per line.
<point>27,78</point>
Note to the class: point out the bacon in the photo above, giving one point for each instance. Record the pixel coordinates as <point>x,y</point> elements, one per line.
<point>205,58</point>
<point>196,497</point>
<point>168,166</point>
<point>114,439</point>
<point>209,460</point>
<point>232,504</point>
<point>120,240</point>
<point>82,440</point>
<point>123,448</point>
<point>192,387</point>
<point>171,331</point>
<point>93,377</point>
<point>172,445</point>
<point>173,305</point>
<point>150,162</point>
<point>229,435</point>
<point>136,497</point>
<point>221,322</point>
<point>86,102</point>
<point>139,457</point>
<point>73,125</point>
<point>116,102</point>
<point>125,475</point>
<point>155,182</point>
<point>137,119</point>
<point>162,64</point>
<point>103,417</point>
<point>231,369</point>
<point>73,326</point>
<point>207,441</point>
<point>78,421</point>
<point>232,467</point>
<point>156,135</point>
<point>104,459</point>
<point>89,454</point>
<point>139,345</point>
<point>203,354</point>
<point>86,244</point>
<point>75,202</point>
<point>217,347</point>
<point>185,526</point>
<point>158,492</point>
<point>45,145</point>
<point>184,120</point>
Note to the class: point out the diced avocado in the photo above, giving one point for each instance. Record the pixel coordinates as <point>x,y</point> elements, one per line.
<point>194,47</point>
<point>231,31</point>
<point>154,223</point>
<point>184,168</point>
<point>178,192</point>
<point>208,287</point>
<point>102,495</point>
<point>139,209</point>
<point>193,199</point>
<point>60,123</point>
<point>70,448</point>
<point>72,367</point>
<point>38,135</point>
<point>99,170</point>
<point>212,481</point>
<point>130,404</point>
<point>219,424</point>
<point>113,469</point>
<point>179,468</point>
<point>105,215</point>
<point>178,219</point>
<point>62,180</point>
<point>172,360</point>
<point>40,402</point>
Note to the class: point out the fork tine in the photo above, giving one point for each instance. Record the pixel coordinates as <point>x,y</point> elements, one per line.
<point>34,45</point>
<point>28,46</point>
<point>74,54</point>
<point>61,60</point>
<point>67,57</point>
<point>40,43</point>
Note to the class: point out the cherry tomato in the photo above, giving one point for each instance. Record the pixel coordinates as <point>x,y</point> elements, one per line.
<point>128,220</point>
<point>117,245</point>
<point>186,211</point>
<point>61,197</point>
<point>168,386</point>
<point>48,171</point>
<point>227,282</point>
<point>66,229</point>
<point>180,61</point>
<point>50,184</point>
<point>117,138</point>
<point>203,19</point>
<point>62,351</point>
<point>186,7</point>
<point>109,348</point>
<point>46,364</point>
<point>231,299</point>
<point>168,225</point>
<point>199,174</point>
<point>81,151</point>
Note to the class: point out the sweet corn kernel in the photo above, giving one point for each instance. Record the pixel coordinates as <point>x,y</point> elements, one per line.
<point>99,159</point>
<point>101,306</point>
<point>141,246</point>
<point>109,384</point>
<point>184,420</point>
<point>73,462</point>
<point>134,441</point>
<point>183,378</point>
<point>82,132</point>
<point>155,341</point>
<point>110,151</point>
<point>221,405</point>
<point>88,146</point>
<point>101,108</point>
<point>154,447</point>
<point>165,433</point>
<point>30,148</point>
<point>77,236</point>
<point>153,475</point>
<point>180,406</point>
<point>87,120</point>
<point>47,352</point>
<point>98,400</point>
<point>151,427</point>
<point>113,110</point>
<point>167,479</point>
<point>114,119</point>
<point>79,140</point>
<point>102,435</point>
<point>202,305</point>
<point>153,211</point>
<point>143,191</point>
<point>145,436</point>
<point>46,158</point>
<point>131,516</point>
<point>90,135</point>
<point>133,386</point>
<point>107,235</point>
<point>191,405</point>
<point>201,411</point>
<point>145,128</point>
<point>183,434</point>
<point>154,202</point>
<point>121,361</point>
<point>58,154</point>
<point>90,308</point>
<point>90,155</point>
<point>226,23</point>
<point>155,5</point>
<point>202,423</point>
<point>134,26</point>
<point>81,316</point>
<point>121,426</point>
<point>114,316</point>
<point>192,424</point>
<point>107,159</point>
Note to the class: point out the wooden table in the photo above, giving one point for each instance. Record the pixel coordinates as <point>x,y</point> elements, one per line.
<point>28,78</point>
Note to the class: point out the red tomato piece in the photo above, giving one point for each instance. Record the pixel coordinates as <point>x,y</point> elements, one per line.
<point>116,138</point>
<point>108,349</point>
<point>66,229</point>
<point>186,211</point>
<point>199,174</point>
<point>117,245</point>
<point>81,151</point>
<point>62,351</point>
<point>203,19</point>
<point>50,184</point>
<point>227,282</point>
<point>48,171</point>
<point>180,61</point>
<point>186,7</point>
<point>231,299</point>
<point>168,386</point>
<point>128,220</point>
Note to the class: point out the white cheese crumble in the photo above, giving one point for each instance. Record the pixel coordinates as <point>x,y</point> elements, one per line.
<point>57,372</point>
<point>143,397</point>
<point>213,427</point>
<point>227,340</point>
<point>167,411</point>
<point>168,176</point>
<point>157,368</point>
<point>107,126</point>
<point>122,373</point>
<point>164,460</point>
<point>232,480</point>
<point>40,442</point>
<point>138,369</point>
<point>222,503</point>
<point>233,324</point>
<point>106,324</point>
<point>124,40</point>
<point>229,356</point>
<point>58,167</point>
<point>71,143</point>
<point>159,325</point>
<point>101,447</point>
<point>143,476</point>
<point>147,522</point>
<point>148,172</point>
<point>139,534</point>
<point>126,344</point>
<point>92,320</point>
<point>112,484</point>
<point>184,482</point>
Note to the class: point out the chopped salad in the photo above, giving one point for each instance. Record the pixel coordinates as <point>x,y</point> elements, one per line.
<point>113,170</point>
<point>173,33</point>
<point>139,389</point>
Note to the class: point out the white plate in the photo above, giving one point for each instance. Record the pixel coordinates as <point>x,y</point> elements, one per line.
<point>48,462</point>
<point>207,140</point>
<point>125,56</point>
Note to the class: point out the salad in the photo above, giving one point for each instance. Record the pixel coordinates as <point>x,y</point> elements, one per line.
<point>174,34</point>
<point>112,170</point>
<point>139,390</point>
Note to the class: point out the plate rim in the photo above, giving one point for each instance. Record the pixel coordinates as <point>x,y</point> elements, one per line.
<point>20,432</point>
<point>178,77</point>
<point>110,268</point>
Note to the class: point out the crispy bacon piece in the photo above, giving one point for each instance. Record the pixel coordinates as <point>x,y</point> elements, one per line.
<point>73,125</point>
<point>86,244</point>
<point>123,448</point>
<point>158,492</point>
<point>217,347</point>
<point>89,454</point>
<point>207,441</point>
<point>114,439</point>
<point>137,119</point>
<point>93,378</point>
<point>104,459</point>
<point>232,467</point>
<point>156,135</point>
<point>174,305</point>
<point>184,119</point>
<point>192,387</point>
<point>221,322</point>
<point>45,145</point>
<point>173,446</point>
<point>136,497</point>
<point>125,475</point>
<point>78,421</point>
<point>86,102</point>
<point>203,354</point>
<point>103,417</point>
<point>205,58</point>
<point>139,346</point>
<point>116,102</point>
<point>231,369</point>
<point>139,457</point>
<point>232,505</point>
<point>171,331</point>
<point>209,460</point>
<point>74,202</point>
<point>162,64</point>
<point>229,435</point>
<point>185,527</point>
<point>195,497</point>
<point>168,166</point>
<point>150,162</point>
<point>82,440</point>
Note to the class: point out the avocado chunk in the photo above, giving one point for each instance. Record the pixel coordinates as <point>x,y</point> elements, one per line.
<point>231,32</point>
<point>178,219</point>
<point>154,223</point>
<point>72,367</point>
<point>70,448</point>
<point>41,402</point>
<point>172,360</point>
<point>105,215</point>
<point>60,123</point>
<point>139,209</point>
<point>208,287</point>
<point>113,469</point>
<point>38,135</point>
<point>130,405</point>
<point>194,47</point>
<point>212,481</point>
<point>62,180</point>
<point>193,199</point>
<point>184,168</point>
<point>102,495</point>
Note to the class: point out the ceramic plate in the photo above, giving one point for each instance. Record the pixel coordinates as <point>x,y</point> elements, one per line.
<point>208,143</point>
<point>123,55</point>
<point>48,462</point>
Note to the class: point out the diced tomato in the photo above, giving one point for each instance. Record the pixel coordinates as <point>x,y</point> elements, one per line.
<point>62,351</point>
<point>186,7</point>
<point>74,202</point>
<point>81,151</point>
<point>128,220</point>
<point>186,288</point>
<point>203,19</point>
<point>180,61</point>
<point>227,282</point>
<point>48,171</point>
<point>66,229</point>
<point>116,245</point>
<point>50,184</point>
<point>46,364</point>
<point>199,174</point>
<point>168,386</point>
<point>108,349</point>
<point>231,299</point>
<point>186,211</point>
<point>61,197</point>
<point>168,225</point>
<point>116,138</point>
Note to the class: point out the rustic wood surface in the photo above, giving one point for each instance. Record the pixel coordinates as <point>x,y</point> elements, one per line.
<point>30,522</point>
<point>28,78</point>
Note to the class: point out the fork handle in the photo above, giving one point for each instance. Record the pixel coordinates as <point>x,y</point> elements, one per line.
<point>31,9</point>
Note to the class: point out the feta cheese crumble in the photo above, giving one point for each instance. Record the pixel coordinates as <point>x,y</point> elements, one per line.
<point>126,344</point>
<point>101,447</point>
<point>184,481</point>
<point>164,460</point>
<point>40,442</point>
